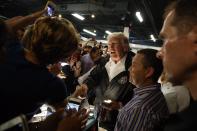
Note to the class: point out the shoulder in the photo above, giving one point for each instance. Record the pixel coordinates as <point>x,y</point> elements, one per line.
<point>130,85</point>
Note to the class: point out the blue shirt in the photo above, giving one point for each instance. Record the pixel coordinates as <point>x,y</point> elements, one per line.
<point>144,112</point>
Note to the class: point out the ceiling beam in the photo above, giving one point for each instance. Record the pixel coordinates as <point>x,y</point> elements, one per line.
<point>88,8</point>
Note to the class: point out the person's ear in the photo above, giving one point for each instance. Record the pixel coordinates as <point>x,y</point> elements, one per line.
<point>149,72</point>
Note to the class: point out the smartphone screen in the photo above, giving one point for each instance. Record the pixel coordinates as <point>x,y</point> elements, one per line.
<point>73,106</point>
<point>50,10</point>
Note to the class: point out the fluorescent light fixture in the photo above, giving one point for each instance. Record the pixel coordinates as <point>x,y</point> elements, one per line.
<point>138,46</point>
<point>152,37</point>
<point>108,32</point>
<point>138,15</point>
<point>89,32</point>
<point>78,16</point>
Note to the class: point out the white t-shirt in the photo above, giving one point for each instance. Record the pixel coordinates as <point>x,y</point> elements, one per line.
<point>177,97</point>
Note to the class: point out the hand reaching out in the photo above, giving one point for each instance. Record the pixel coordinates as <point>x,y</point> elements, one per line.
<point>73,121</point>
<point>18,22</point>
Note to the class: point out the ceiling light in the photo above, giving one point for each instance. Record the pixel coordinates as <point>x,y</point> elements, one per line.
<point>93,16</point>
<point>89,32</point>
<point>138,46</point>
<point>108,32</point>
<point>78,16</point>
<point>138,15</point>
<point>152,37</point>
<point>94,31</point>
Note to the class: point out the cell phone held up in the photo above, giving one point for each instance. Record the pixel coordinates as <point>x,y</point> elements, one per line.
<point>51,9</point>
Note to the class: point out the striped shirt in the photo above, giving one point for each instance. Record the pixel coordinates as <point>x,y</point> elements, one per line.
<point>144,112</point>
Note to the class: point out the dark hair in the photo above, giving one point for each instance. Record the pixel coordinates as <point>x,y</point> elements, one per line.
<point>94,49</point>
<point>150,60</point>
<point>185,16</point>
<point>51,39</point>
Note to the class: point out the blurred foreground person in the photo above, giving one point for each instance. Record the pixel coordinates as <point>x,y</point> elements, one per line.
<point>179,55</point>
<point>26,82</point>
<point>177,97</point>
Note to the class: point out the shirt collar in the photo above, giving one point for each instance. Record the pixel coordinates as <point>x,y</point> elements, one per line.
<point>138,90</point>
<point>122,60</point>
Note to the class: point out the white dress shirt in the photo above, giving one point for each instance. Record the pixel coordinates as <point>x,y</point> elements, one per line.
<point>113,69</point>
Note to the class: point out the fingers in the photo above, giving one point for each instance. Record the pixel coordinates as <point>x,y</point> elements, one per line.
<point>37,14</point>
<point>83,117</point>
<point>22,21</point>
<point>83,123</point>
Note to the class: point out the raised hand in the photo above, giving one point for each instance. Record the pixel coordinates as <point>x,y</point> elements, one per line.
<point>81,91</point>
<point>18,22</point>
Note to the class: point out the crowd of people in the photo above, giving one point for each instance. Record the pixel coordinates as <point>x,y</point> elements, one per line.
<point>123,86</point>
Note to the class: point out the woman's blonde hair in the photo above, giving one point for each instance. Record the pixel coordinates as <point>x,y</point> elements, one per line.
<point>51,39</point>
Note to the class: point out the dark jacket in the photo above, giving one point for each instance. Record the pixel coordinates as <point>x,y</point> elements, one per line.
<point>118,89</point>
<point>185,120</point>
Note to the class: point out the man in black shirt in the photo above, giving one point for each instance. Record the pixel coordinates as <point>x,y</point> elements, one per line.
<point>179,55</point>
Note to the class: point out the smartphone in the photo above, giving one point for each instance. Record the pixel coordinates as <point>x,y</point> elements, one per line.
<point>72,105</point>
<point>51,8</point>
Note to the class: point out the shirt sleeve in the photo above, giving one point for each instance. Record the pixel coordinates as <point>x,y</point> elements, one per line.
<point>94,77</point>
